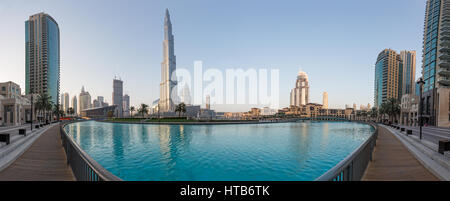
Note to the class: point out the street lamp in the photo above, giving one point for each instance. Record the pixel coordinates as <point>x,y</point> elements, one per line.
<point>31,112</point>
<point>421,82</point>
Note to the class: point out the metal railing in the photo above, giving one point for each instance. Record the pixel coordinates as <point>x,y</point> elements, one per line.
<point>352,168</point>
<point>83,166</point>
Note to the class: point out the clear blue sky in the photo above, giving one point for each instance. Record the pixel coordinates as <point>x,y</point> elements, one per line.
<point>335,42</point>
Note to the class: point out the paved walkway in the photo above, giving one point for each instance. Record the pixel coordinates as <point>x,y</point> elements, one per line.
<point>393,162</point>
<point>45,160</point>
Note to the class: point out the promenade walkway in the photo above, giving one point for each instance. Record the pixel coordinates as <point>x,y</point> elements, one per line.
<point>45,160</point>
<point>393,162</point>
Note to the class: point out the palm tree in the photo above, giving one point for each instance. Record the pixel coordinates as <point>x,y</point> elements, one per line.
<point>132,109</point>
<point>70,111</point>
<point>373,113</point>
<point>44,104</point>
<point>364,115</point>
<point>393,109</point>
<point>143,109</point>
<point>180,108</point>
<point>383,110</point>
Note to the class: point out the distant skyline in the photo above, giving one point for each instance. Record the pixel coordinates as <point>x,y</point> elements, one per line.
<point>335,42</point>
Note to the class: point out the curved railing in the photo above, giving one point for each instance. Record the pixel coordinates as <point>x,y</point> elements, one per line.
<point>83,166</point>
<point>352,168</point>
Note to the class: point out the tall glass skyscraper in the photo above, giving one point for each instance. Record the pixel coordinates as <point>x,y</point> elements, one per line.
<point>436,63</point>
<point>409,71</point>
<point>42,66</point>
<point>388,77</point>
<point>117,97</point>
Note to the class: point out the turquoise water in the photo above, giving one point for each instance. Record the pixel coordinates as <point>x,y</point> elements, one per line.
<point>243,152</point>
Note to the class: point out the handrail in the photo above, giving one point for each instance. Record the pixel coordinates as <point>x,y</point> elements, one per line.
<point>354,165</point>
<point>83,166</point>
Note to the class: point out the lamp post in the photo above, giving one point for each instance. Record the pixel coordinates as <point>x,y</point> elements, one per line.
<point>31,112</point>
<point>420,82</point>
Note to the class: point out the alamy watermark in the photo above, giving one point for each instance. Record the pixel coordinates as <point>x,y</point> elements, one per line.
<point>230,86</point>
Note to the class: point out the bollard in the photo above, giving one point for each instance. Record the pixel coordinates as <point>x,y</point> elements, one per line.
<point>23,131</point>
<point>444,145</point>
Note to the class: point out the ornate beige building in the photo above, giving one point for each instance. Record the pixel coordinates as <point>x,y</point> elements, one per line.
<point>300,94</point>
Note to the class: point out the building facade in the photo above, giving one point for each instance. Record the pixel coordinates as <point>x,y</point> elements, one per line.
<point>15,109</point>
<point>325,100</point>
<point>168,66</point>
<point>409,71</point>
<point>85,100</point>
<point>75,105</point>
<point>126,105</point>
<point>409,110</point>
<point>436,64</point>
<point>99,112</point>
<point>117,97</point>
<point>101,101</point>
<point>42,56</point>
<point>65,102</point>
<point>388,77</point>
<point>300,94</point>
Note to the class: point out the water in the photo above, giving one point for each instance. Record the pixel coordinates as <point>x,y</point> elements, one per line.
<point>242,152</point>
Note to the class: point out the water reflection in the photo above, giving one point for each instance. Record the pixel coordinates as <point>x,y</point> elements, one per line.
<point>284,151</point>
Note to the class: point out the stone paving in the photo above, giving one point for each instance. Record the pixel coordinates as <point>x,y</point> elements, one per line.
<point>45,160</point>
<point>393,162</point>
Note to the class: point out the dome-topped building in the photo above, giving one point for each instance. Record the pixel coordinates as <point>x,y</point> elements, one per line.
<point>300,94</point>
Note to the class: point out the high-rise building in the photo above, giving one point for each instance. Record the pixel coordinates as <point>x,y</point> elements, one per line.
<point>85,100</point>
<point>354,106</point>
<point>185,95</point>
<point>65,102</point>
<point>168,66</point>
<point>101,101</point>
<point>117,97</point>
<point>436,64</point>
<point>42,65</point>
<point>325,100</point>
<point>61,105</point>
<point>126,105</point>
<point>388,77</point>
<point>409,71</point>
<point>95,103</point>
<point>300,94</point>
<point>208,104</point>
<point>75,105</point>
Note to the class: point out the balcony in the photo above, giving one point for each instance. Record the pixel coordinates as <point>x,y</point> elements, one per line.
<point>444,37</point>
<point>444,64</point>
<point>445,81</point>
<point>444,72</point>
<point>444,49</point>
<point>444,56</point>
<point>445,43</point>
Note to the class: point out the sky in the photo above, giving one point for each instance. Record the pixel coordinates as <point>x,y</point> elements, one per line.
<point>335,42</point>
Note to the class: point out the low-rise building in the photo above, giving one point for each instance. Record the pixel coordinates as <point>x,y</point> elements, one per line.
<point>15,109</point>
<point>409,110</point>
<point>99,112</point>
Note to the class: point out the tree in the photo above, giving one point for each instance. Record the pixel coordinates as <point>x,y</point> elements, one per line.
<point>70,111</point>
<point>383,110</point>
<point>110,114</point>
<point>373,113</point>
<point>393,109</point>
<point>132,109</point>
<point>180,108</point>
<point>143,109</point>
<point>44,105</point>
<point>364,115</point>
